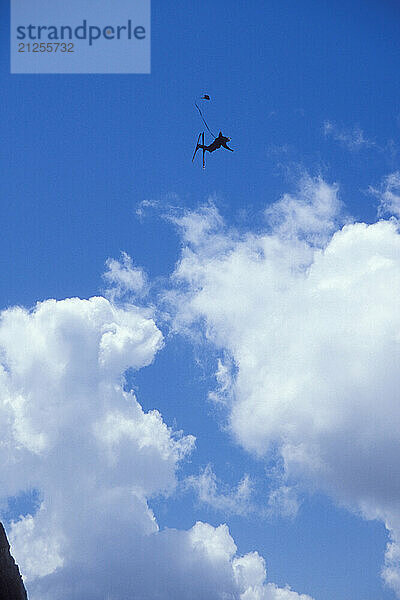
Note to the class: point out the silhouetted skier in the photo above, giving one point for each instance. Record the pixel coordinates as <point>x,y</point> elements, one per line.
<point>220,141</point>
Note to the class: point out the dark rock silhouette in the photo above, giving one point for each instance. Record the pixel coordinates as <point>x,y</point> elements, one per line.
<point>11,585</point>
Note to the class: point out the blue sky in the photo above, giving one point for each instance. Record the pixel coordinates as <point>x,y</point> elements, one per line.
<point>300,87</point>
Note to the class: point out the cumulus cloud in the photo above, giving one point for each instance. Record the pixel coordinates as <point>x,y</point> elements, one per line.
<point>72,431</point>
<point>354,139</point>
<point>312,324</point>
<point>250,575</point>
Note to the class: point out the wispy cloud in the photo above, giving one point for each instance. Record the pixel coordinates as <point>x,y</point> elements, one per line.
<point>144,206</point>
<point>124,278</point>
<point>283,502</point>
<point>354,139</point>
<point>389,195</point>
<point>213,493</point>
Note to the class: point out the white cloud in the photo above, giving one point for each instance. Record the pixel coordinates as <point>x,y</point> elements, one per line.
<point>224,378</point>
<point>354,139</point>
<point>197,226</point>
<point>283,501</point>
<point>144,206</point>
<point>250,575</point>
<point>124,278</point>
<point>313,212</point>
<point>391,570</point>
<point>389,195</point>
<point>212,493</point>
<point>70,430</point>
<point>313,328</point>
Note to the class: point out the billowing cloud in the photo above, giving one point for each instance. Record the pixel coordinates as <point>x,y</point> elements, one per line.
<point>72,431</point>
<point>308,315</point>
